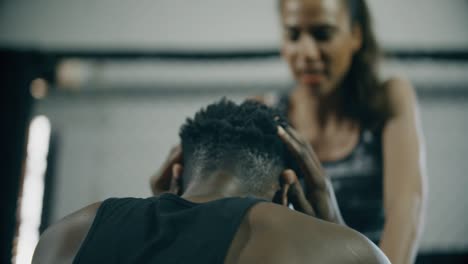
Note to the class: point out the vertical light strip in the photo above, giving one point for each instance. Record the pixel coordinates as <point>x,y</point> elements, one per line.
<point>33,189</point>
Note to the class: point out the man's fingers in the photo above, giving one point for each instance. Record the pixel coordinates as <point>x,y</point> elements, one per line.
<point>295,193</point>
<point>294,134</point>
<point>161,181</point>
<point>306,147</point>
<point>298,151</point>
<point>175,179</point>
<point>290,142</point>
<point>304,156</point>
<point>289,177</point>
<point>299,200</point>
<point>284,194</point>
<point>301,150</point>
<point>176,154</point>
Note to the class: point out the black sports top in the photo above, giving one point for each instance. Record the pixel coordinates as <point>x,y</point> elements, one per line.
<point>356,179</point>
<point>165,229</point>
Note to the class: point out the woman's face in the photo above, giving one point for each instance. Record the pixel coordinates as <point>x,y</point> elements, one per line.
<point>318,42</point>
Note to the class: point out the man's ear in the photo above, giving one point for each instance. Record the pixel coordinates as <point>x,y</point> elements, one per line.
<point>176,180</point>
<point>277,189</point>
<point>176,170</point>
<point>356,34</point>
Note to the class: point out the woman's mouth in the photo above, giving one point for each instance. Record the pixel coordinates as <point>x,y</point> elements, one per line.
<point>312,78</point>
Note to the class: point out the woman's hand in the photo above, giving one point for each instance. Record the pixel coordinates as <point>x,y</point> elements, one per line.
<point>169,176</point>
<point>319,192</point>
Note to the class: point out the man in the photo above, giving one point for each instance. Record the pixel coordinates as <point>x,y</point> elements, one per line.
<point>234,162</point>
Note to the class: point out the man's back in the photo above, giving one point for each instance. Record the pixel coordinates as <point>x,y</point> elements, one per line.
<point>202,233</point>
<point>275,234</point>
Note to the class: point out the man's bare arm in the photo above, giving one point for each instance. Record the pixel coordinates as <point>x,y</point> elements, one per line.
<point>362,250</point>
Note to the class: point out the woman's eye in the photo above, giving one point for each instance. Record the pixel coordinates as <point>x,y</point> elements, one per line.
<point>322,34</point>
<point>293,34</point>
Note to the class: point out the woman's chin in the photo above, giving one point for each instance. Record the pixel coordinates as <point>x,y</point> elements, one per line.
<point>316,89</point>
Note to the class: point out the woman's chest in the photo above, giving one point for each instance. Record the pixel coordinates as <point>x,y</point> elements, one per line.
<point>331,142</point>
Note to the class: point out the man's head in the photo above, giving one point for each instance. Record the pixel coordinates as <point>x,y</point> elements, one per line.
<point>236,140</point>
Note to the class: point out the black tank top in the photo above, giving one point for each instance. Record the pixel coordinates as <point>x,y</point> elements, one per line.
<point>356,179</point>
<point>165,229</point>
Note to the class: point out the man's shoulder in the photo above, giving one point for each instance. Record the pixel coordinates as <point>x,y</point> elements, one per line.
<point>61,241</point>
<point>274,216</point>
<point>311,237</point>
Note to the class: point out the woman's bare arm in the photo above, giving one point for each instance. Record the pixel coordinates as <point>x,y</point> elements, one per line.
<point>405,185</point>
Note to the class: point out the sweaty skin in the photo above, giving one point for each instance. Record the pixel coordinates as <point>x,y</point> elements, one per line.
<point>269,233</point>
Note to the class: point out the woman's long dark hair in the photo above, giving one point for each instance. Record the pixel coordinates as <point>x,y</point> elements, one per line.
<point>365,98</point>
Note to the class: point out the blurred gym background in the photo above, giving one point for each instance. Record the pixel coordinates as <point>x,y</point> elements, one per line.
<point>96,92</point>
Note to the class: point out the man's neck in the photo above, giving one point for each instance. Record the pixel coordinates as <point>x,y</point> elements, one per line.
<point>213,187</point>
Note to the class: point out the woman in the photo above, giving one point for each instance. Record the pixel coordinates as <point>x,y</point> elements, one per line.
<point>366,133</point>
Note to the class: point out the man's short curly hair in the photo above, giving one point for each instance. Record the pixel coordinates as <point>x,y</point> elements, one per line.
<point>239,139</point>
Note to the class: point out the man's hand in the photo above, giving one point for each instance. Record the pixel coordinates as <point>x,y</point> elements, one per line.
<point>319,193</point>
<point>292,192</point>
<point>169,176</point>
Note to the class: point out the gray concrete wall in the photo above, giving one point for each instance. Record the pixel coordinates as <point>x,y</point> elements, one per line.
<point>210,24</point>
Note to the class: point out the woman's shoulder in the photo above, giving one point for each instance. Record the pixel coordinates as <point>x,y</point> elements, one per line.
<point>400,93</point>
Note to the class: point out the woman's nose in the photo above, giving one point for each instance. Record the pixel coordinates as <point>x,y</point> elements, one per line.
<point>308,48</point>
